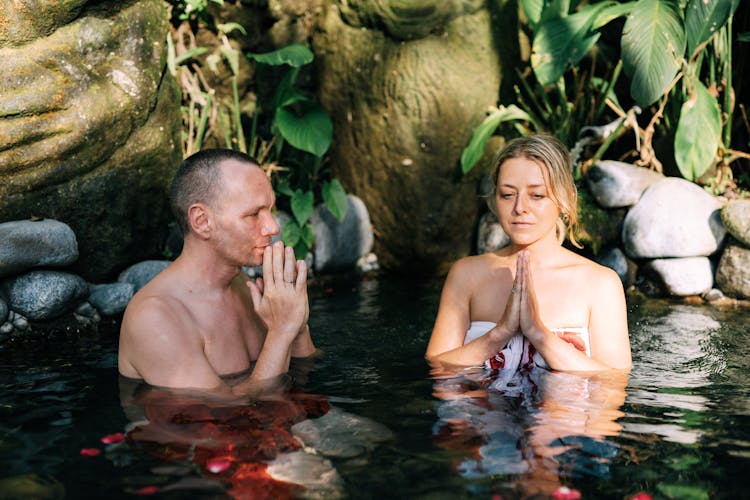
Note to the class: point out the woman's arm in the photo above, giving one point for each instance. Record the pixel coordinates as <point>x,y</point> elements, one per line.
<point>446,344</point>
<point>559,354</point>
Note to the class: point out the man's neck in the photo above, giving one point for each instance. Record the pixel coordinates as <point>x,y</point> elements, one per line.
<point>202,268</point>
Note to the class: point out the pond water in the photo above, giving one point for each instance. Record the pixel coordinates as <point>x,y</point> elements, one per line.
<point>679,427</point>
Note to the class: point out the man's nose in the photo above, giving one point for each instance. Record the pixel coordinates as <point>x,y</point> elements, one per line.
<point>270,226</point>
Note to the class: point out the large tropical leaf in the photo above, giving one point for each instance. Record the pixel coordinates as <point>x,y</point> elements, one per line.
<point>310,131</point>
<point>561,43</point>
<point>653,44</point>
<point>475,149</point>
<point>294,55</point>
<point>302,206</point>
<point>698,133</point>
<point>334,197</point>
<point>533,11</point>
<point>704,18</point>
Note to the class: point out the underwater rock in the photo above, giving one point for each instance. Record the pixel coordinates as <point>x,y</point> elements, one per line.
<point>674,218</point>
<point>36,486</point>
<point>35,243</point>
<point>43,295</point>
<point>341,434</point>
<point>315,473</point>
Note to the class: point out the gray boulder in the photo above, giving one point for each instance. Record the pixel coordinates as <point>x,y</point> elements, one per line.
<point>733,271</point>
<point>616,184</point>
<point>674,218</point>
<point>44,295</point>
<point>339,245</point>
<point>490,234</point>
<point>3,310</point>
<point>684,276</point>
<point>27,244</point>
<point>615,259</point>
<point>111,299</point>
<point>141,273</point>
<point>736,219</point>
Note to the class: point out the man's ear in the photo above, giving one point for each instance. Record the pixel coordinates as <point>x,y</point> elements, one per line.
<point>199,218</point>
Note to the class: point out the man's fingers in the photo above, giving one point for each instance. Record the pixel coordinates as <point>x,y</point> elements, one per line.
<point>301,274</point>
<point>290,265</point>
<point>278,262</point>
<point>268,265</point>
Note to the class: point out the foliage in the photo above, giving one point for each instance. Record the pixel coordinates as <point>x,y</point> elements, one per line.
<point>676,56</point>
<point>288,136</point>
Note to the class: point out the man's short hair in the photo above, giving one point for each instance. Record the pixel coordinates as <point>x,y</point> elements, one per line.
<point>198,180</point>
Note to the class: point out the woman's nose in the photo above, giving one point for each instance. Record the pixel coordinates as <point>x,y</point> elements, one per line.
<point>520,205</point>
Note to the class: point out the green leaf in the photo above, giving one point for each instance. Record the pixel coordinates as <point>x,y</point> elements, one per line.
<point>307,235</point>
<point>698,133</point>
<point>302,205</point>
<point>312,131</point>
<point>703,19</point>
<point>294,55</point>
<point>475,149</point>
<point>232,56</point>
<point>305,242</point>
<point>229,27</point>
<point>653,44</point>
<point>682,491</point>
<point>282,186</point>
<point>290,233</point>
<point>334,197</point>
<point>561,43</point>
<point>189,54</point>
<point>610,13</point>
<point>533,11</point>
<point>744,37</point>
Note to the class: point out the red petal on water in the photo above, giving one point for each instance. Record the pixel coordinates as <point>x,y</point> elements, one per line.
<point>146,490</point>
<point>565,493</point>
<point>641,495</point>
<point>117,437</point>
<point>217,465</point>
<point>90,452</point>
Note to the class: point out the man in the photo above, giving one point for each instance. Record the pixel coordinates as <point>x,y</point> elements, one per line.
<point>201,320</point>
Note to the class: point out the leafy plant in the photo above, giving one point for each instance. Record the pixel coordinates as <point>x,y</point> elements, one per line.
<point>304,125</point>
<point>673,53</point>
<point>288,136</point>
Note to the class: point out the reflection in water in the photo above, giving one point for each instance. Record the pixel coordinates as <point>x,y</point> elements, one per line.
<point>553,427</point>
<point>274,446</point>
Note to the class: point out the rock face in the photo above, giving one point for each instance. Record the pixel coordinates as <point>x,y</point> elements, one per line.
<point>89,124</point>
<point>405,84</point>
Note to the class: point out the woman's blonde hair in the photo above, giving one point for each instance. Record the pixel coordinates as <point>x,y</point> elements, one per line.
<point>552,154</point>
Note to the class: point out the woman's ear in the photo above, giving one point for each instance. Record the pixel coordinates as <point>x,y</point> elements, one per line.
<point>199,218</point>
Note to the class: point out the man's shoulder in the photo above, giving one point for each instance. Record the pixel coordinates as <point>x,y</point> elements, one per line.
<point>149,309</point>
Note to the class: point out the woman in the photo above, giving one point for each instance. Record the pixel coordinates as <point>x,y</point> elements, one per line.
<point>532,303</point>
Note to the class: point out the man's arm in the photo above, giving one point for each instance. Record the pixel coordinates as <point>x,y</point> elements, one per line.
<point>155,346</point>
<point>281,302</point>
